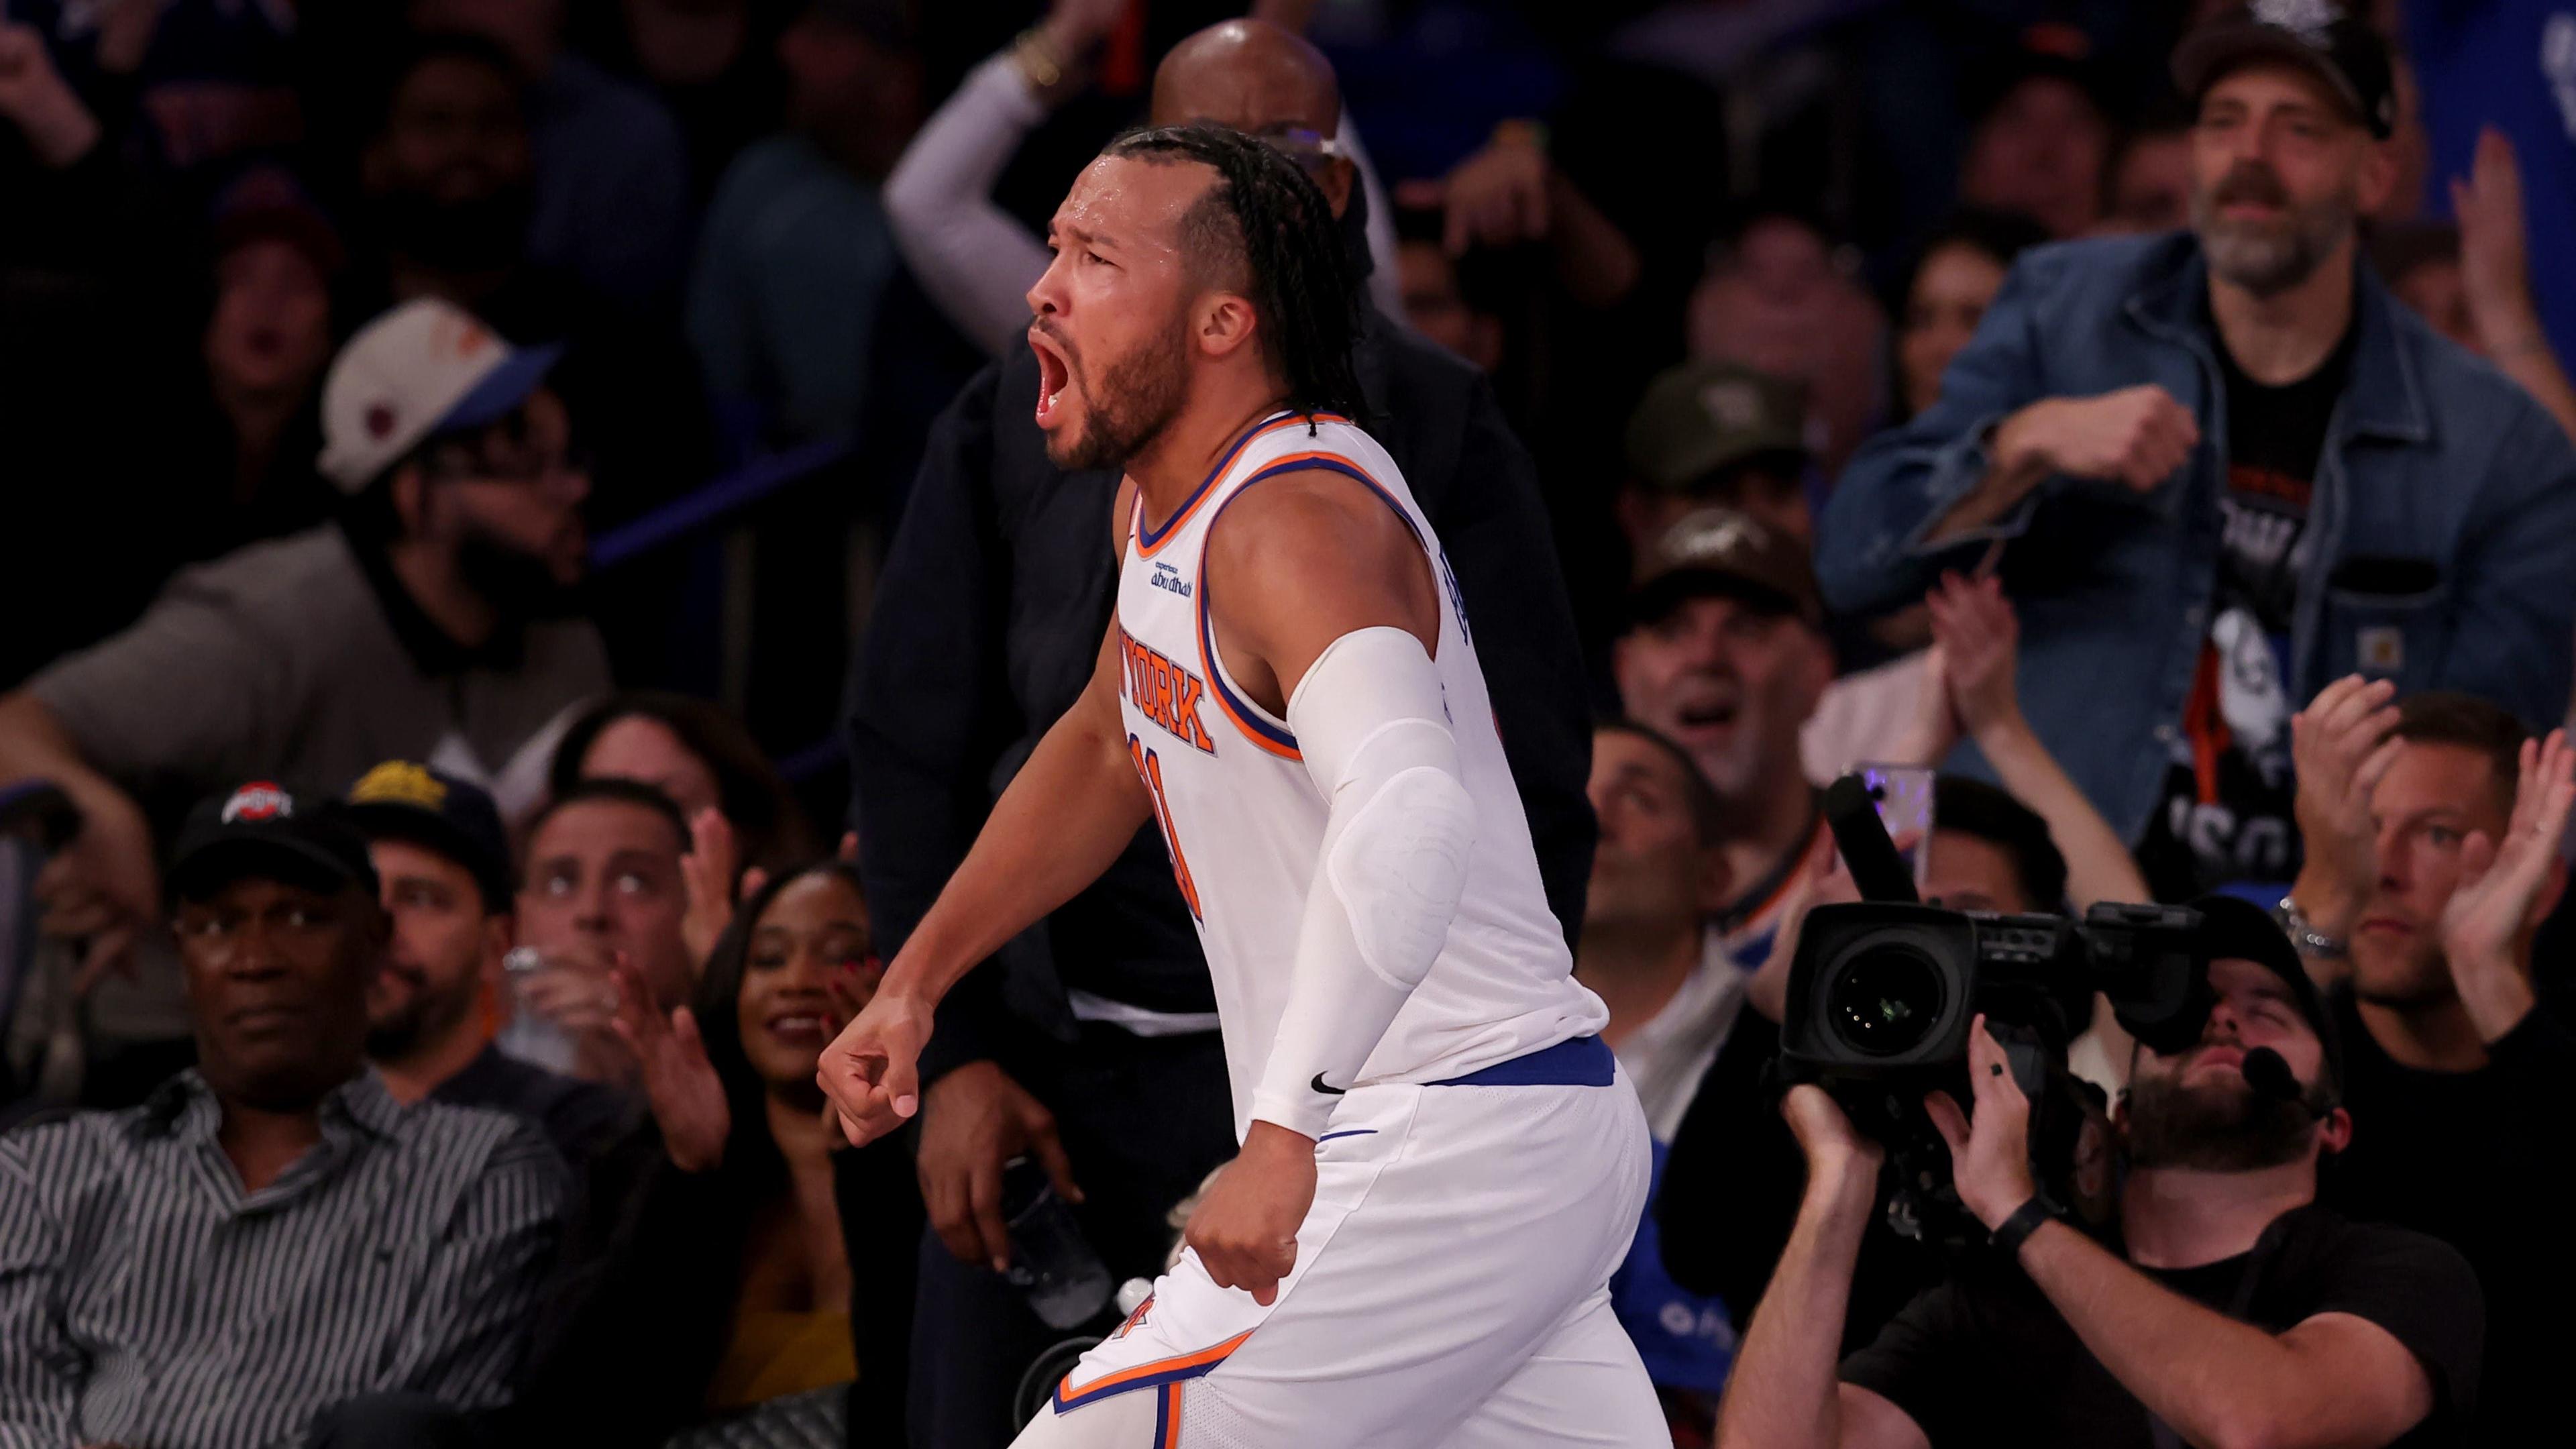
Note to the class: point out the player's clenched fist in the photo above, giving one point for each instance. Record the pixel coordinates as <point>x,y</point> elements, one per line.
<point>1245,1227</point>
<point>2137,437</point>
<point>867,1071</point>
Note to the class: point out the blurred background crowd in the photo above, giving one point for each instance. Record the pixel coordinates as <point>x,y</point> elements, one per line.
<point>528,561</point>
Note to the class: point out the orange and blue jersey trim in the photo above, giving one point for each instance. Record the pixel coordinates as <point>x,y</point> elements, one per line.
<point>1167,1418</point>
<point>1147,540</point>
<point>1261,732</point>
<point>1160,1373</point>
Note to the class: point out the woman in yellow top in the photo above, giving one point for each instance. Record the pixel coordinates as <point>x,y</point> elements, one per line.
<point>724,1282</point>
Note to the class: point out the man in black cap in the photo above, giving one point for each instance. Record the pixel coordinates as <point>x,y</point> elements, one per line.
<point>1717,432</point>
<point>1725,655</point>
<point>444,862</point>
<point>2224,467</point>
<point>2229,1309</point>
<point>272,1247</point>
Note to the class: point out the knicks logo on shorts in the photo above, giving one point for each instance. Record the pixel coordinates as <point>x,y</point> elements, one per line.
<point>1163,692</point>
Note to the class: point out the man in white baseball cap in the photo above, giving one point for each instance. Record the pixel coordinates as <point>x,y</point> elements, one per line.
<point>428,622</point>
<point>427,367</point>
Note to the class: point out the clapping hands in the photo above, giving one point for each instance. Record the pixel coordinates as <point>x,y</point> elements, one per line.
<point>2506,887</point>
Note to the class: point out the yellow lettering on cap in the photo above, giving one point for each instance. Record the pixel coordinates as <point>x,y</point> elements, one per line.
<point>399,782</point>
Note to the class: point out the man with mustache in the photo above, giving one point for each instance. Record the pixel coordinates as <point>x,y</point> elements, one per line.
<point>443,859</point>
<point>2223,467</point>
<point>1290,694</point>
<point>2229,1308</point>
<point>1094,1044</point>
<point>1725,656</point>
<point>272,1249</point>
<point>433,620</point>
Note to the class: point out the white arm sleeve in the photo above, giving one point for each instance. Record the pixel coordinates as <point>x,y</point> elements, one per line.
<point>972,258</point>
<point>1374,731</point>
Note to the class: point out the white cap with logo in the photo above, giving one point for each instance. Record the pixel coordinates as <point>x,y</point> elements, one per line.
<point>425,367</point>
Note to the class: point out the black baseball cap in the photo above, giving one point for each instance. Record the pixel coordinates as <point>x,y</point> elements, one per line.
<point>1702,417</point>
<point>258,829</point>
<point>2233,927</point>
<point>2315,35</point>
<point>401,800</point>
<point>1723,553</point>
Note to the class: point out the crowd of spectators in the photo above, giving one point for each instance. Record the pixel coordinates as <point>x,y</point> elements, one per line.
<point>2152,418</point>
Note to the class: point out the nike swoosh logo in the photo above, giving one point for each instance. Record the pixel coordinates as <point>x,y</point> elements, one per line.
<point>1319,1086</point>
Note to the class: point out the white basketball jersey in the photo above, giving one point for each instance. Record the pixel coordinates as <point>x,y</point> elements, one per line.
<point>1245,823</point>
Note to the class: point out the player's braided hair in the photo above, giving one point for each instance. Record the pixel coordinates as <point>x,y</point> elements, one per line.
<point>1267,218</point>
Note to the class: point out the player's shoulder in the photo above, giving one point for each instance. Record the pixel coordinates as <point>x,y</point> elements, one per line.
<point>1310,478</point>
<point>1292,438</point>
<point>1304,536</point>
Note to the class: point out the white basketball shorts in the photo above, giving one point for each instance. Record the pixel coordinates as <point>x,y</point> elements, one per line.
<point>1451,1288</point>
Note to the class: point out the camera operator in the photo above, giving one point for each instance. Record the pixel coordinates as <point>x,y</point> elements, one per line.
<point>1730,1194</point>
<point>2432,843</point>
<point>2229,1310</point>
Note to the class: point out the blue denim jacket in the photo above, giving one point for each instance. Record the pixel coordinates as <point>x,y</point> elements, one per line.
<point>2441,547</point>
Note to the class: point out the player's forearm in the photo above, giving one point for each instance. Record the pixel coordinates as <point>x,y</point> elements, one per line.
<point>2098,864</point>
<point>1337,1011</point>
<point>1782,1392</point>
<point>1066,816</point>
<point>2215,1380</point>
<point>1399,830</point>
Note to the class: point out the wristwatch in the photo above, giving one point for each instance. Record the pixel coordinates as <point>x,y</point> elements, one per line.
<point>2309,940</point>
<point>2015,1230</point>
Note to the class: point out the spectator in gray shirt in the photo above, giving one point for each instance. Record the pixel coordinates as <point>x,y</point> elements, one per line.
<point>271,1250</point>
<point>428,624</point>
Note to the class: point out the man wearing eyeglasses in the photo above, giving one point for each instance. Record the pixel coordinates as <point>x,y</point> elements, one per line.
<point>430,622</point>
<point>1094,1045</point>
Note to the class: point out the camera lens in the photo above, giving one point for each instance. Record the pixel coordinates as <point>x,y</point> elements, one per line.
<point>1884,1001</point>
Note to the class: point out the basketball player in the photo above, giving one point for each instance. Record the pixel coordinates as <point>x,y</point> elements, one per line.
<point>1439,1167</point>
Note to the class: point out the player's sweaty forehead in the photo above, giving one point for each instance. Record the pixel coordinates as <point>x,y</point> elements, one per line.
<point>1130,210</point>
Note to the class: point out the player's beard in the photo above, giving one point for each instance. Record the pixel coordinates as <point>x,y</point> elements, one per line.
<point>1137,399</point>
<point>2220,1128</point>
<point>2268,258</point>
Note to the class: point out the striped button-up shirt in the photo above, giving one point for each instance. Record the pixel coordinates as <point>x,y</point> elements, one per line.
<point>147,1300</point>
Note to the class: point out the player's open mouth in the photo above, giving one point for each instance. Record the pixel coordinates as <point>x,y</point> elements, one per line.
<point>1053,375</point>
